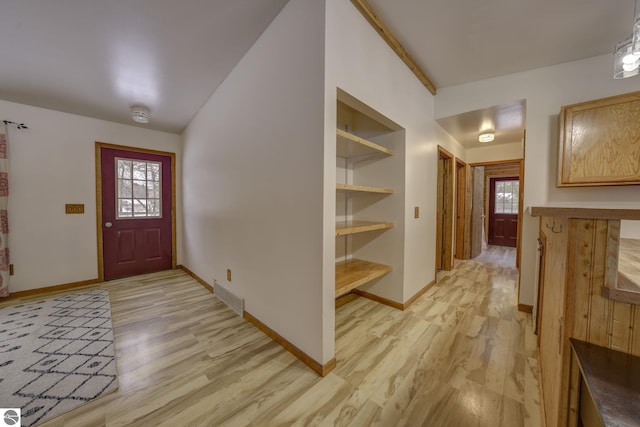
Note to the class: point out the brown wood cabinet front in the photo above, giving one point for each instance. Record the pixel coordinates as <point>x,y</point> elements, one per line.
<point>600,142</point>
<point>574,273</point>
<point>551,333</point>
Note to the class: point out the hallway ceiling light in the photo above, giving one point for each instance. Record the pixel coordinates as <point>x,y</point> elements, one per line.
<point>140,114</point>
<point>627,63</point>
<point>627,54</point>
<point>486,136</point>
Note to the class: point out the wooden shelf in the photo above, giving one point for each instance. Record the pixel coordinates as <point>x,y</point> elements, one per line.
<point>355,272</point>
<point>349,145</point>
<point>363,189</point>
<point>351,227</point>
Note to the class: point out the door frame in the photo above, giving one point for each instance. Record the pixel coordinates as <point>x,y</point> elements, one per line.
<point>444,218</point>
<point>461,219</point>
<point>98,148</point>
<point>542,261</point>
<point>520,202</point>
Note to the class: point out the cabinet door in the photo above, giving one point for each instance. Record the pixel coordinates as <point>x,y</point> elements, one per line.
<point>552,312</point>
<point>600,142</point>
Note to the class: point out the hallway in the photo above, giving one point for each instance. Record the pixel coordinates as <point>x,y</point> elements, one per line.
<point>460,356</point>
<point>504,256</point>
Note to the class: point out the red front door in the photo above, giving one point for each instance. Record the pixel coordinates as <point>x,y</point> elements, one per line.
<point>503,211</point>
<point>136,212</point>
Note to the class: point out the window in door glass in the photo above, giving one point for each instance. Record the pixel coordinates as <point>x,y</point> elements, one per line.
<point>506,197</point>
<point>138,189</point>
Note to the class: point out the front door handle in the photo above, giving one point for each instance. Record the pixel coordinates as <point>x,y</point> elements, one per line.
<point>108,224</point>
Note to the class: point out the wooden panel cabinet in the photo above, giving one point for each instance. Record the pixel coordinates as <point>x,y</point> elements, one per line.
<point>600,142</point>
<point>576,268</point>
<point>551,313</point>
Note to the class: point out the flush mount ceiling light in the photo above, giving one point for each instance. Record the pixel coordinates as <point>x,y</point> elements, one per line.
<point>627,54</point>
<point>140,114</point>
<point>486,136</point>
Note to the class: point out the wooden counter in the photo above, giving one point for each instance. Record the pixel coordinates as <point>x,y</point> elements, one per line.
<point>613,380</point>
<point>579,299</point>
<point>622,266</point>
<point>587,213</point>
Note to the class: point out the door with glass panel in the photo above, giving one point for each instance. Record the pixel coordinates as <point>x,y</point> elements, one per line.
<point>137,209</point>
<point>503,211</point>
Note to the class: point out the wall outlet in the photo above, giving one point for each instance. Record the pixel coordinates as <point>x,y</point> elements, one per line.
<point>416,212</point>
<point>10,269</point>
<point>228,275</point>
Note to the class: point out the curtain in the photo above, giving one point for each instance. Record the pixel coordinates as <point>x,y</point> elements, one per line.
<point>4,221</point>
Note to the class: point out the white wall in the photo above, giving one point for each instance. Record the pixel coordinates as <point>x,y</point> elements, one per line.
<point>253,179</point>
<point>359,62</point>
<point>492,153</point>
<point>630,229</point>
<point>53,163</point>
<point>546,90</point>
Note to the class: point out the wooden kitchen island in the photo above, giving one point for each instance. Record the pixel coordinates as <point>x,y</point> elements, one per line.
<point>579,298</point>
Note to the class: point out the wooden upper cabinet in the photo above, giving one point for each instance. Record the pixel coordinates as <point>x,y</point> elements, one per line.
<point>600,142</point>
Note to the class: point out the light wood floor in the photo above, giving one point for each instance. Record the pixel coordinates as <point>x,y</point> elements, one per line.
<point>501,255</point>
<point>460,356</point>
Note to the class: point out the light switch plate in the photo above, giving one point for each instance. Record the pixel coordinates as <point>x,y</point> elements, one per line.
<point>70,208</point>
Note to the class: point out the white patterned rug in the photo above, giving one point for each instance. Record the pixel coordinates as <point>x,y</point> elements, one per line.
<point>56,354</point>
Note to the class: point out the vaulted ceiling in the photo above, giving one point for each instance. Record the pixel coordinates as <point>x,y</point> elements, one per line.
<point>97,58</point>
<point>461,41</point>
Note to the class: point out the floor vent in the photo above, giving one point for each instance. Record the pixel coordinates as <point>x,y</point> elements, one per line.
<point>234,302</point>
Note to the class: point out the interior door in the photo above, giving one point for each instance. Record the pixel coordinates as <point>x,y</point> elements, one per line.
<point>137,203</point>
<point>445,211</point>
<point>440,214</point>
<point>503,211</point>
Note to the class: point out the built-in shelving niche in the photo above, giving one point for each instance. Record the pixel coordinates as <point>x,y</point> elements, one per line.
<point>369,201</point>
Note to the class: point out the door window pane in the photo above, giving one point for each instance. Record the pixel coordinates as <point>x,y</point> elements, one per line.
<point>139,170</point>
<point>506,197</point>
<point>123,169</point>
<point>153,190</point>
<point>139,189</point>
<point>124,188</point>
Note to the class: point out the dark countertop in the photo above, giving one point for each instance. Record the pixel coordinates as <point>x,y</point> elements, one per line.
<point>613,379</point>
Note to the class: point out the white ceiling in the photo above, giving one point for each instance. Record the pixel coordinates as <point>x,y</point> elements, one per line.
<point>505,120</point>
<point>466,40</point>
<point>457,42</point>
<point>97,58</point>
